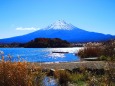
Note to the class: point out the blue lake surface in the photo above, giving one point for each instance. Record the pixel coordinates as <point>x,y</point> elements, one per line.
<point>41,54</point>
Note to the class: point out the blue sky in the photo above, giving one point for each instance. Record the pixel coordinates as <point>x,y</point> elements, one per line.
<point>18,17</point>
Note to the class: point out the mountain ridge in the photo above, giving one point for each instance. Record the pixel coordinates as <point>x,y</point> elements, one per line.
<point>63,30</point>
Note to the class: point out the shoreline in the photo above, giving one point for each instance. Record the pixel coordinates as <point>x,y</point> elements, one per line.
<point>73,65</point>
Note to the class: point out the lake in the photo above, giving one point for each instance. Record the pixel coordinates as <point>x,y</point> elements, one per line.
<point>41,54</point>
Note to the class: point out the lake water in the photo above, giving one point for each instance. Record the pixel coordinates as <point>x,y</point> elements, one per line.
<point>41,54</point>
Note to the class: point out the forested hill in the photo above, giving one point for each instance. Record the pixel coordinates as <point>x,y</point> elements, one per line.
<point>46,42</point>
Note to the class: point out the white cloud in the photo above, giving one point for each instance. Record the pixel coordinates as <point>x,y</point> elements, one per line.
<point>23,28</point>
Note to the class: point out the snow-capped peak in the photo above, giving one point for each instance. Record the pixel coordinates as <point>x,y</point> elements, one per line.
<point>61,24</point>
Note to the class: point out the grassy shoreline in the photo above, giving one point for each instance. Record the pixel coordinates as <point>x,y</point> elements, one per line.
<point>66,73</point>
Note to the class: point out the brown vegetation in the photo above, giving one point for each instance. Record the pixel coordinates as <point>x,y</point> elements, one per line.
<point>88,52</point>
<point>18,74</point>
<point>105,51</point>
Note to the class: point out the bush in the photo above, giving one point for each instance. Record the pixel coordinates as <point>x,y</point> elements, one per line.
<point>109,50</point>
<point>63,77</point>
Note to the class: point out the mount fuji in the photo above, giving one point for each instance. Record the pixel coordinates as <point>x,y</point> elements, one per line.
<point>63,30</point>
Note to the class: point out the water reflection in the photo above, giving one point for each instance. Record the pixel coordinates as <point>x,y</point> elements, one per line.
<point>50,81</point>
<point>56,55</point>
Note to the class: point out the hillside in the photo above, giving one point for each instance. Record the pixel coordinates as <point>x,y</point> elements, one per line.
<point>46,43</point>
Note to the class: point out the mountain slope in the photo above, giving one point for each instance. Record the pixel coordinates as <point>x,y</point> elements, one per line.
<point>63,30</point>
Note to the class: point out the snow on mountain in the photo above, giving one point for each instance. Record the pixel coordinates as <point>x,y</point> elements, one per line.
<point>60,25</point>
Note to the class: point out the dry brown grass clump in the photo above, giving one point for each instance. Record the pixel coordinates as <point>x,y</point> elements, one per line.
<point>89,52</point>
<point>13,74</point>
<point>18,74</point>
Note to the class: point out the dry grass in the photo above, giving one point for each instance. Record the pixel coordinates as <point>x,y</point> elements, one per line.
<point>86,77</point>
<point>19,74</point>
<point>89,52</point>
<point>107,53</point>
<point>13,74</point>
<point>103,52</point>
